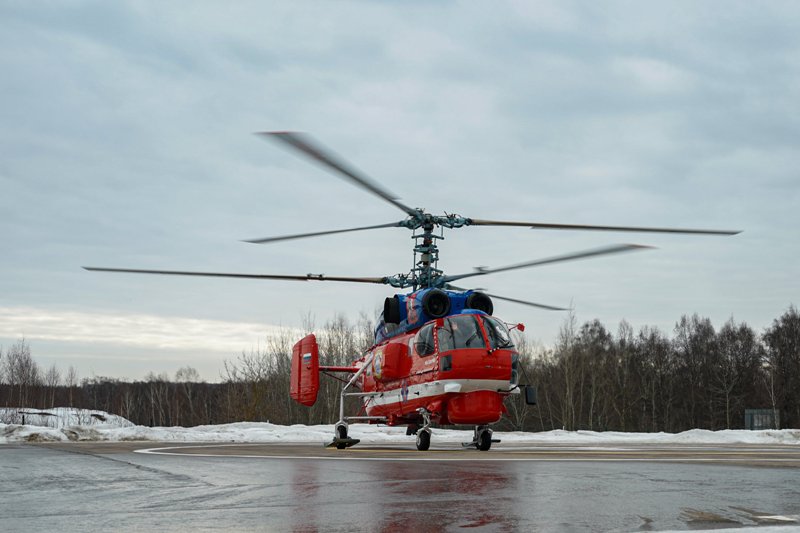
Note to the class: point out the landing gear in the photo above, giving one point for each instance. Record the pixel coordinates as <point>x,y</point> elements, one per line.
<point>423,440</point>
<point>424,432</point>
<point>341,436</point>
<point>482,439</point>
<point>340,439</point>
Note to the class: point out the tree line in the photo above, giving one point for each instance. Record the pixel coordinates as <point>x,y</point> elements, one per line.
<point>646,381</point>
<point>591,378</point>
<point>254,386</point>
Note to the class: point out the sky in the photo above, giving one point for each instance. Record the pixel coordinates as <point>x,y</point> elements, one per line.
<point>126,140</point>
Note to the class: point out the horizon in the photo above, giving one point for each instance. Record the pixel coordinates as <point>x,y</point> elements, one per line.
<point>181,346</point>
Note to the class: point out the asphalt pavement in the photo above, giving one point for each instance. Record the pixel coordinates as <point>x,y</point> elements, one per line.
<point>97,486</point>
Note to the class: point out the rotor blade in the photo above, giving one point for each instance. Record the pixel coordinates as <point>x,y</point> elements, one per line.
<point>516,301</point>
<point>542,225</point>
<point>524,302</point>
<point>618,248</point>
<point>307,277</point>
<point>315,234</point>
<point>303,143</point>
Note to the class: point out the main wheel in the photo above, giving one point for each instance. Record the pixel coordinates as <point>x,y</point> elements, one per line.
<point>484,440</point>
<point>423,440</point>
<point>341,434</point>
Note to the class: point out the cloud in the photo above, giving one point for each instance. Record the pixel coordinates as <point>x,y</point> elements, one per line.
<point>654,75</point>
<point>131,330</point>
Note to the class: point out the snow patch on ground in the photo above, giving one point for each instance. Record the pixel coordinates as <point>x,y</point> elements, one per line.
<point>57,424</point>
<point>68,424</point>
<point>60,417</point>
<point>758,529</point>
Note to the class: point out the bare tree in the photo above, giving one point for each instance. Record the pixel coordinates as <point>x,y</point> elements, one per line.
<point>656,357</point>
<point>695,347</point>
<point>769,383</point>
<point>782,341</point>
<point>594,347</point>
<point>52,379</point>
<point>365,332</point>
<point>157,392</point>
<point>622,371</point>
<point>22,372</point>
<point>71,381</point>
<point>740,357</point>
<point>570,364</point>
<point>518,410</point>
<point>188,377</point>
<point>128,403</point>
<point>340,344</point>
<point>248,378</point>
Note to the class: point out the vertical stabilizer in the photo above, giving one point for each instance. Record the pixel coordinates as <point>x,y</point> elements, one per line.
<point>305,371</point>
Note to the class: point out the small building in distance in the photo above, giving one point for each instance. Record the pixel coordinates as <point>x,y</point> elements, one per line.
<point>756,419</point>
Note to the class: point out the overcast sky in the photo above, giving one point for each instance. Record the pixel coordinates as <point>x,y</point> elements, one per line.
<point>126,141</point>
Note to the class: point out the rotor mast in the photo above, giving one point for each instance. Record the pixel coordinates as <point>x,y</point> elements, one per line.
<point>425,272</point>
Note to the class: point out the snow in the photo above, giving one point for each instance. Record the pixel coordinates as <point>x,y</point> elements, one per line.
<point>59,417</point>
<point>759,529</point>
<point>68,424</point>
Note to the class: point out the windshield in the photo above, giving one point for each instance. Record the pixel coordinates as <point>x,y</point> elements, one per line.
<point>497,332</point>
<point>460,331</point>
<point>423,342</point>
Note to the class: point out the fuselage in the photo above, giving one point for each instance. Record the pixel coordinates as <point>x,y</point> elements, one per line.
<point>458,368</point>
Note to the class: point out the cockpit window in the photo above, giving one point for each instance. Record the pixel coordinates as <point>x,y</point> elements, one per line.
<point>497,332</point>
<point>423,342</point>
<point>460,331</point>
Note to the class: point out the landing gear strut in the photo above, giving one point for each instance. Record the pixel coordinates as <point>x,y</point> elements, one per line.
<point>424,433</point>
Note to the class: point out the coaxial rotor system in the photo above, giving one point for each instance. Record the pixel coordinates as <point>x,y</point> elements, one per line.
<point>425,273</point>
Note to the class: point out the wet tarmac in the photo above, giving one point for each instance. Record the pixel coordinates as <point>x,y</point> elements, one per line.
<point>246,487</point>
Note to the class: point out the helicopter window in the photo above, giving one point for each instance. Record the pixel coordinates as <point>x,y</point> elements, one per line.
<point>423,342</point>
<point>460,331</point>
<point>497,332</point>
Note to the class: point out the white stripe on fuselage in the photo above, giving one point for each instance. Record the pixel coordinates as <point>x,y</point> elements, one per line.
<point>435,388</point>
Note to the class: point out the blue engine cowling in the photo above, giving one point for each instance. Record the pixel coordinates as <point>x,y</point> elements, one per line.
<point>404,312</point>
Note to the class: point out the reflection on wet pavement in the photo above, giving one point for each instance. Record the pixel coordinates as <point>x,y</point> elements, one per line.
<point>56,489</point>
<point>468,496</point>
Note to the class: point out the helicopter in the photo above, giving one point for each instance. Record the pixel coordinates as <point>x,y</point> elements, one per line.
<point>439,356</point>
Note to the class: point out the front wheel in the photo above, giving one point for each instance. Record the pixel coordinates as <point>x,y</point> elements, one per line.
<point>484,440</point>
<point>341,434</point>
<point>423,440</point>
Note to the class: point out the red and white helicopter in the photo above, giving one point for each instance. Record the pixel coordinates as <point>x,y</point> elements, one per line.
<point>439,356</point>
